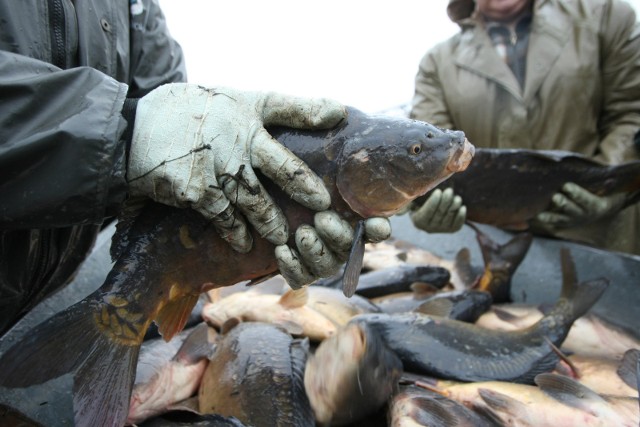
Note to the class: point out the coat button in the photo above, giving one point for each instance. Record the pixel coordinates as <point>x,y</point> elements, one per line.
<point>105,25</point>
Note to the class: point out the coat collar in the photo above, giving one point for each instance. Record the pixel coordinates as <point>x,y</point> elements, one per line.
<point>550,32</point>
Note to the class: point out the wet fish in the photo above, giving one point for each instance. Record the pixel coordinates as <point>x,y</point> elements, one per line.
<point>398,278</point>
<point>413,406</point>
<point>508,187</point>
<point>173,380</point>
<point>590,335</point>
<point>351,375</point>
<point>165,257</point>
<point>394,253</point>
<point>555,401</point>
<point>465,306</point>
<point>452,349</point>
<point>289,311</point>
<point>256,375</point>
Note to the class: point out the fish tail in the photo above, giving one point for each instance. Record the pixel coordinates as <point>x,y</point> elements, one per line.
<point>581,297</point>
<point>76,342</point>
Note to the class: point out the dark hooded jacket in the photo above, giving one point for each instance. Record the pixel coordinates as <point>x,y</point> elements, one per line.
<point>66,69</point>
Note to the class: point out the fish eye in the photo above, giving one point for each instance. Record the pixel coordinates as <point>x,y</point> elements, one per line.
<point>415,149</point>
<point>430,135</point>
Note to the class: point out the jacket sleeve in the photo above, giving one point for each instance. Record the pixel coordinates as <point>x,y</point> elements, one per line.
<point>156,58</point>
<point>429,103</point>
<point>620,115</point>
<point>59,139</point>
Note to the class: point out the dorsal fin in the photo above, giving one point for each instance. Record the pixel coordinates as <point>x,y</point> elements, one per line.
<point>294,298</point>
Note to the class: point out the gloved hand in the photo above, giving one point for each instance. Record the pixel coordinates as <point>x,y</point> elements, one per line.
<point>443,212</point>
<point>322,250</point>
<point>196,147</point>
<point>573,206</point>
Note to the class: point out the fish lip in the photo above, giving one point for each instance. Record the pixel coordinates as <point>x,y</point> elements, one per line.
<point>461,159</point>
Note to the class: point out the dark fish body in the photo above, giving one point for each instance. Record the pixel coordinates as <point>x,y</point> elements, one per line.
<point>400,278</point>
<point>451,349</point>
<point>465,306</point>
<point>165,257</point>
<point>350,376</point>
<point>257,376</point>
<point>508,187</point>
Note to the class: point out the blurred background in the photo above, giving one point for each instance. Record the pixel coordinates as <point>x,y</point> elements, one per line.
<point>361,53</point>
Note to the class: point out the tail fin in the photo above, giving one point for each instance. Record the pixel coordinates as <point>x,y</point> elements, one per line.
<point>581,296</point>
<point>70,342</point>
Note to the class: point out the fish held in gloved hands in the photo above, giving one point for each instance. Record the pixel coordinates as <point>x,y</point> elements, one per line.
<point>166,256</point>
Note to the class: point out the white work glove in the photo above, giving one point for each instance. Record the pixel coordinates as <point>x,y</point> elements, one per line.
<point>196,147</point>
<point>443,212</point>
<point>574,206</point>
<point>322,250</point>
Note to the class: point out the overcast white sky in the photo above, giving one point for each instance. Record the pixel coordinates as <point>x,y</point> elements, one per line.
<point>362,53</point>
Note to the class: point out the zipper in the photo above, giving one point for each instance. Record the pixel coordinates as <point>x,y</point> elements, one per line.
<point>57,24</point>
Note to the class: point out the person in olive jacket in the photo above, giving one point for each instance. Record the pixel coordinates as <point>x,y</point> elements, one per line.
<point>544,75</point>
<point>94,109</point>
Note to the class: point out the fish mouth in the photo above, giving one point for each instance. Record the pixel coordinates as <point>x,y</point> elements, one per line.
<point>461,158</point>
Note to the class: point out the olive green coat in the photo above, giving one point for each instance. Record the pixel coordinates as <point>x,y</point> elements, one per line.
<point>581,92</point>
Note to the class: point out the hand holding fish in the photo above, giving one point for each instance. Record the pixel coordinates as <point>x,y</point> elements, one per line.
<point>443,212</point>
<point>322,249</point>
<point>573,206</point>
<point>196,147</point>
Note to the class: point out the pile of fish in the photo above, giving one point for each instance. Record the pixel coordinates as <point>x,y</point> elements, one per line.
<point>447,355</point>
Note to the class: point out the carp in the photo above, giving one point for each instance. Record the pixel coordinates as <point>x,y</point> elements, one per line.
<point>452,349</point>
<point>165,256</point>
<point>256,375</point>
<point>290,311</point>
<point>556,401</point>
<point>509,187</point>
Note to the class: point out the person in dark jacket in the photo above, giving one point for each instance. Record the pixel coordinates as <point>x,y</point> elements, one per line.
<point>94,109</point>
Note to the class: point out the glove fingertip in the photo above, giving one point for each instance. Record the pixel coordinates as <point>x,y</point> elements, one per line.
<point>377,229</point>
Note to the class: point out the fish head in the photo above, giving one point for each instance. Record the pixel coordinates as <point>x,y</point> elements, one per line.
<point>391,161</point>
<point>352,374</point>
